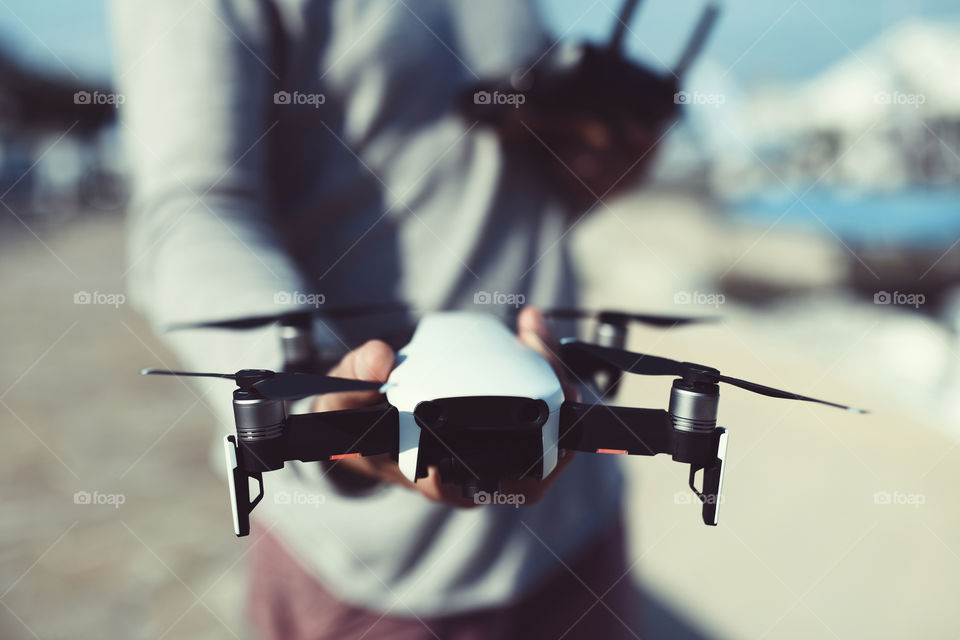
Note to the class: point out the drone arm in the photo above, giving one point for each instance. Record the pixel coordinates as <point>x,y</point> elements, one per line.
<point>312,437</point>
<point>639,432</point>
<point>309,437</point>
<point>598,428</point>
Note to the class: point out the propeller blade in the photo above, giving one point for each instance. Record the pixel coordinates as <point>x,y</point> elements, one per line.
<point>280,386</point>
<point>645,364</point>
<point>663,320</point>
<point>365,310</point>
<point>299,318</point>
<point>622,317</point>
<point>194,374</point>
<point>777,393</point>
<point>292,386</point>
<point>628,361</point>
<point>295,318</point>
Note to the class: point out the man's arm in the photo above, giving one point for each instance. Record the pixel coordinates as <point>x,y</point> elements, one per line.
<point>198,78</point>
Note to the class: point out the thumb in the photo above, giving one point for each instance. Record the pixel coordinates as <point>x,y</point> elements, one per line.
<point>533,331</point>
<point>372,362</point>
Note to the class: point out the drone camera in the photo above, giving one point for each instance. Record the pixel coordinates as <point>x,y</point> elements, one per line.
<point>494,437</point>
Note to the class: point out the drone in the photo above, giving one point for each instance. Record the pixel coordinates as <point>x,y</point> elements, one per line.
<point>483,410</point>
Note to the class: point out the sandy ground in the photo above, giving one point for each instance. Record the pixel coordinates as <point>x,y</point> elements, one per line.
<point>803,550</point>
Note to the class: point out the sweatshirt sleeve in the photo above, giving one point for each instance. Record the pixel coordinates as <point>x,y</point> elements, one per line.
<point>198,80</point>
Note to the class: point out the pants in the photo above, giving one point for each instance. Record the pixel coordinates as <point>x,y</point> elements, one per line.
<point>287,603</point>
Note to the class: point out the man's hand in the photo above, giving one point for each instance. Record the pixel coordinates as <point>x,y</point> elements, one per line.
<point>373,362</point>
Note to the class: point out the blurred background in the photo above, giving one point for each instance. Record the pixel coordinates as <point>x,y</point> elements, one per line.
<point>810,195</point>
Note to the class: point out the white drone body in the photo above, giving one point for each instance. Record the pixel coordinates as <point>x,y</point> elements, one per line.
<point>458,354</point>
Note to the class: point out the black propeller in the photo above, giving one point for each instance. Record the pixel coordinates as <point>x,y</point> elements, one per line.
<point>293,318</point>
<point>296,318</point>
<point>622,318</point>
<point>648,365</point>
<point>280,386</point>
<point>303,318</point>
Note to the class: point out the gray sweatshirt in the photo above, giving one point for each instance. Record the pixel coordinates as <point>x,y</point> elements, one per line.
<point>283,149</point>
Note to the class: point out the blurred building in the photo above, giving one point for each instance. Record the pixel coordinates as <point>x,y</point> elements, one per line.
<point>59,153</point>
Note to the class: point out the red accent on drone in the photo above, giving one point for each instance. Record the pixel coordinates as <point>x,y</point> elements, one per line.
<point>342,456</point>
<point>611,450</point>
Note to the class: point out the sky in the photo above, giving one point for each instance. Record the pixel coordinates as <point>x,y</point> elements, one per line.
<point>755,40</point>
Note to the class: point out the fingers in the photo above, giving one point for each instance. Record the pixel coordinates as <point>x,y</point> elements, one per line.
<point>563,460</point>
<point>373,361</point>
<point>382,467</point>
<point>533,331</point>
<point>432,489</point>
<point>533,489</point>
